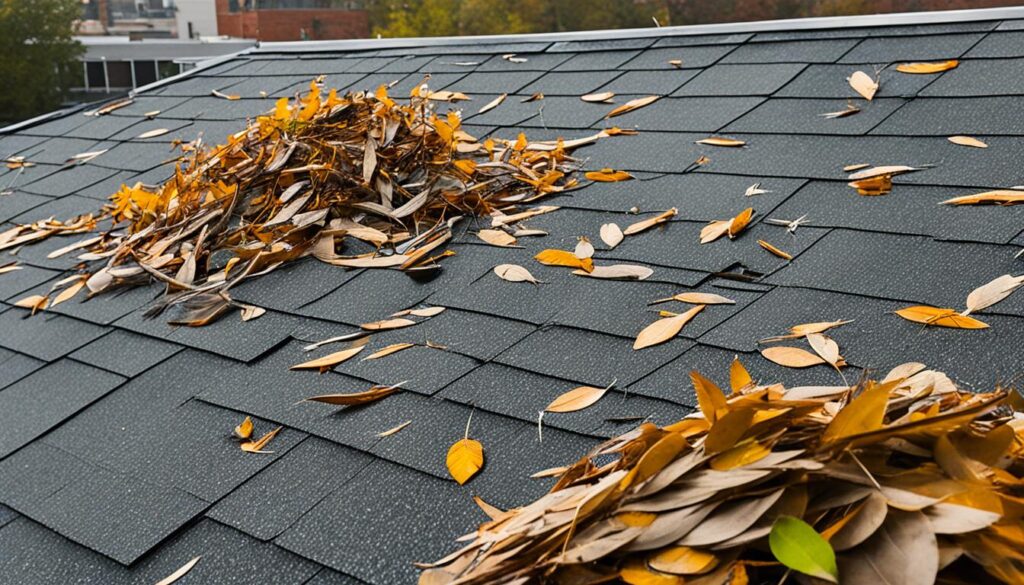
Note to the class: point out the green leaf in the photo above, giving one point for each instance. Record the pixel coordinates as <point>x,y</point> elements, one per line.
<point>798,546</point>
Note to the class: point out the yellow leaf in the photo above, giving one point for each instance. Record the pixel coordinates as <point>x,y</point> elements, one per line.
<point>682,560</point>
<point>328,361</point>
<point>663,330</point>
<point>791,357</point>
<point>739,378</point>
<point>863,84</point>
<point>258,445</point>
<point>743,454</point>
<point>654,460</point>
<point>355,398</point>
<point>740,222</point>
<point>998,197</point>
<point>635,572</point>
<point>576,399</point>
<point>774,250</point>
<point>465,458</point>
<point>925,68</point>
<point>728,430</point>
<point>632,105</point>
<point>244,429</point>
<point>497,238</point>
<point>879,185</point>
<point>562,258</point>
<point>607,176</point>
<point>864,413</point>
<point>940,317</point>
<point>720,141</point>
<point>648,223</point>
<point>967,141</point>
<point>710,397</point>
<point>388,350</point>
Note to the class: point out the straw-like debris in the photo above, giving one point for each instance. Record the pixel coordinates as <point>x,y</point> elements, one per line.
<point>360,181</point>
<point>904,480</point>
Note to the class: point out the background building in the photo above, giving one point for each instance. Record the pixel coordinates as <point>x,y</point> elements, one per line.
<point>293,20</point>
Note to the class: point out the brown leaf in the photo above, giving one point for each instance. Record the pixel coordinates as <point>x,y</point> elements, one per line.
<point>329,361</point>
<point>584,249</point>
<point>863,414</point>
<point>225,96</point>
<point>425,312</point>
<point>927,68</point>
<point>998,197</point>
<point>740,222</point>
<point>631,105</point>
<point>34,302</point>
<point>650,222</point>
<point>826,348</point>
<point>387,324</point>
<point>497,238</point>
<point>663,330</point>
<point>258,445</point>
<point>69,293</point>
<point>903,550</point>
<point>388,350</point>
<point>967,141</point>
<point>710,397</point>
<point>720,141</point>
<point>250,312</point>
<point>739,377</point>
<point>356,398</point>
<point>152,133</point>
<point>859,524</point>
<point>514,273</point>
<point>776,251</point>
<point>577,399</point>
<point>697,298</point>
<point>791,357</point>
<point>863,84</point>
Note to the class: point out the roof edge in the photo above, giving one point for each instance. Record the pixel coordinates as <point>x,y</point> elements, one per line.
<point>792,24</point>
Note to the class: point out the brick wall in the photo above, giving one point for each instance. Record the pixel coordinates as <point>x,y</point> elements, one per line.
<point>287,25</point>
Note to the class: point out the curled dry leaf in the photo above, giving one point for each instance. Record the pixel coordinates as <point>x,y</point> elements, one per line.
<point>181,572</point>
<point>880,185</point>
<point>388,350</point>
<point>998,197</point>
<point>394,430</point>
<point>356,398</point>
<point>714,230</point>
<point>863,84</point>
<point>258,445</point>
<point>755,189</point>
<point>927,68</point>
<point>493,103</point>
<point>631,105</point>
<point>250,312</point>
<point>739,377</point>
<point>603,97</point>
<point>611,235</point>
<point>791,357</point>
<point>244,429</point>
<point>551,257</point>
<point>848,111</point>
<point>69,292</point>
<point>617,272</point>
<point>514,273</point>
<point>608,176</point>
<point>967,141</point>
<point>774,250</point>
<point>34,302</point>
<point>648,223</point>
<point>720,141</point>
<point>740,222</point>
<point>991,293</point>
<point>577,399</point>
<point>663,330</point>
<point>497,238</point>
<point>879,171</point>
<point>940,317</point>
<point>426,312</point>
<point>329,361</point>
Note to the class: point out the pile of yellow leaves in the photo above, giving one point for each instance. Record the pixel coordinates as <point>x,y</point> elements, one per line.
<point>361,180</point>
<point>903,480</point>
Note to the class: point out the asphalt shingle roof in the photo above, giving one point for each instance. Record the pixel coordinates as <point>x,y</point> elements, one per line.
<point>115,460</point>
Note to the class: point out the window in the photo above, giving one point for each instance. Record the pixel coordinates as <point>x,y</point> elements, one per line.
<point>119,73</point>
<point>168,69</point>
<point>308,4</point>
<point>145,72</point>
<point>94,73</point>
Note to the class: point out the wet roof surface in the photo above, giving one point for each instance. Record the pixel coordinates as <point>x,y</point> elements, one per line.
<point>115,460</point>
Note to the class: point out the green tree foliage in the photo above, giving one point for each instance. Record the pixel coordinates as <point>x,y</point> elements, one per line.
<point>405,18</point>
<point>37,54</point>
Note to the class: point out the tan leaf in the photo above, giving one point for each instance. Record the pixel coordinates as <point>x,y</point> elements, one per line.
<point>804,329</point>
<point>577,399</point>
<point>940,317</point>
<point>500,220</point>
<point>720,141</point>
<point>181,572</point>
<point>855,167</point>
<point>13,266</point>
<point>967,141</point>
<point>927,68</point>
<point>998,197</point>
<point>740,222</point>
<point>697,298</point>
<point>863,84</point>
<point>663,330</point>
<point>514,273</point>
<point>903,550</point>
<point>225,96</point>
<point>611,235</point>
<point>648,223</point>
<point>825,347</point>
<point>791,357</point>
<point>677,63</point>
<point>989,294</point>
<point>617,272</point>
<point>356,398</point>
<point>493,103</point>
<point>250,312</point>
<point>34,302</point>
<point>714,230</point>
<point>776,251</point>
<point>533,98</point>
<point>394,430</point>
<point>584,249</point>
<point>388,350</point>
<point>631,105</point>
<point>329,361</point>
<point>387,324</point>
<point>849,111</point>
<point>258,445</point>
<point>152,133</point>
<point>68,293</point>
<point>890,170</point>
<point>497,238</point>
<point>603,97</point>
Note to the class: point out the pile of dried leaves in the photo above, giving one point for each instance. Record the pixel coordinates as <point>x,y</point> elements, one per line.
<point>906,480</point>
<point>360,180</point>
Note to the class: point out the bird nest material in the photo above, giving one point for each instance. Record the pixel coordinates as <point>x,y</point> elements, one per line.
<point>904,480</point>
<point>324,175</point>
